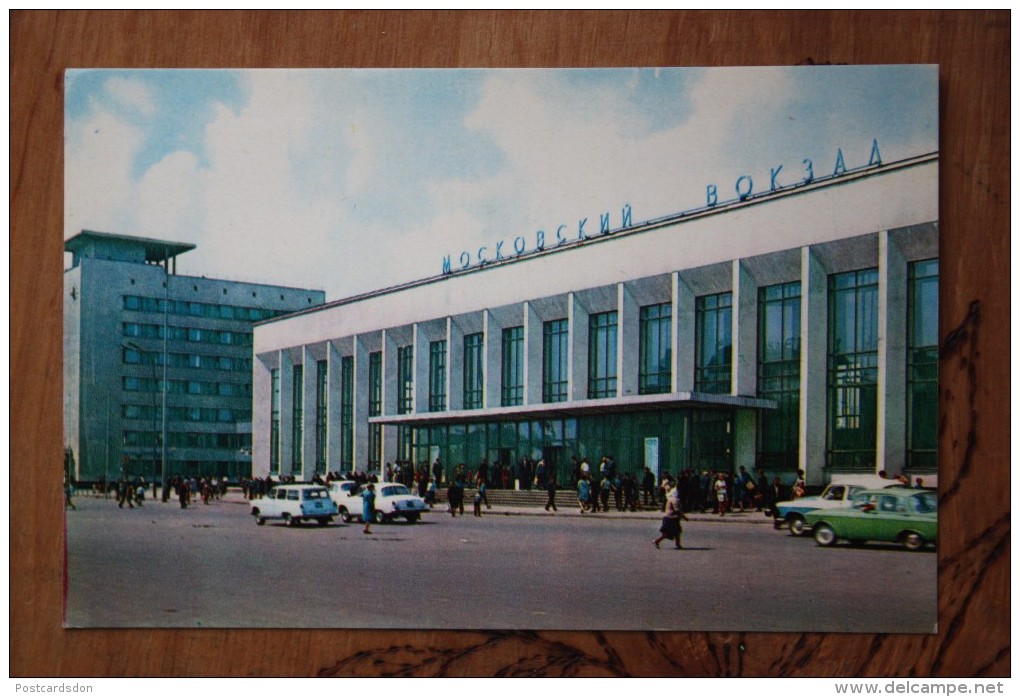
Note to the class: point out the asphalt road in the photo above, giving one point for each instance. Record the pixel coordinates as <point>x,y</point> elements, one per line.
<point>211,566</point>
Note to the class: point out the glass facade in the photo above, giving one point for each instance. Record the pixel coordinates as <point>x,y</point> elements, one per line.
<point>437,376</point>
<point>321,415</point>
<point>347,413</point>
<point>602,346</point>
<point>405,379</point>
<point>512,385</point>
<point>779,375</point>
<point>555,348</point>
<point>686,439</point>
<point>923,366</point>
<point>714,340</point>
<point>656,353</point>
<point>473,371</point>
<point>274,423</point>
<point>297,420</point>
<point>853,370</point>
<point>375,409</point>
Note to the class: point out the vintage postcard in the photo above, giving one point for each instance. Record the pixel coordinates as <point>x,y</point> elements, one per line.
<point>614,349</point>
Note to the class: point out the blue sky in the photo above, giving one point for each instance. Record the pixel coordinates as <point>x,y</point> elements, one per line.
<point>354,180</point>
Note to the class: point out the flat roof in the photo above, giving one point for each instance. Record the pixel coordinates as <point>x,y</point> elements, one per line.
<point>155,250</point>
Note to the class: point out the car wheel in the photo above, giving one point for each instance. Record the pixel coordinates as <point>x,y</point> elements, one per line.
<point>797,525</point>
<point>345,515</point>
<point>259,520</point>
<point>824,535</point>
<point>413,517</point>
<point>380,517</point>
<point>913,541</point>
<point>322,521</point>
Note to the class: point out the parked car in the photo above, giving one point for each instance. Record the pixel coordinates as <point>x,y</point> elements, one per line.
<point>295,503</point>
<point>836,495</point>
<point>906,516</point>
<point>391,501</point>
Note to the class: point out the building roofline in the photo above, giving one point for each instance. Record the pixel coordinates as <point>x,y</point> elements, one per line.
<point>155,250</point>
<point>847,177</point>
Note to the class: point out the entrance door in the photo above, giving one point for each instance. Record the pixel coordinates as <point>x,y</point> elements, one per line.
<point>555,457</point>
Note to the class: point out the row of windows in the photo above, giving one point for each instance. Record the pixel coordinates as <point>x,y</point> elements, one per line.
<point>178,439</point>
<point>852,374</point>
<point>192,387</point>
<point>199,361</point>
<point>134,330</point>
<point>197,309</point>
<point>194,414</point>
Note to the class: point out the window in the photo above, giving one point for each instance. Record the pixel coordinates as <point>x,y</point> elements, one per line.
<point>375,383</point>
<point>437,376</point>
<point>512,386</point>
<point>297,421</point>
<point>714,342</point>
<point>656,352</point>
<point>555,345</point>
<point>779,375</point>
<point>321,413</point>
<point>274,421</point>
<point>602,333</point>
<point>853,370</point>
<point>405,379</point>
<point>473,349</point>
<point>347,413</point>
<point>923,365</point>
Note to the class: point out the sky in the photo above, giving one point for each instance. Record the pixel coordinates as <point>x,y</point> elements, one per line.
<point>354,180</point>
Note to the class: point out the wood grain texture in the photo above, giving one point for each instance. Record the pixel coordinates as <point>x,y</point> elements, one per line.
<point>973,51</point>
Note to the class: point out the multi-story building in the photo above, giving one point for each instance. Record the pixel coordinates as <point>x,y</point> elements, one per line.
<point>158,366</point>
<point>795,328</point>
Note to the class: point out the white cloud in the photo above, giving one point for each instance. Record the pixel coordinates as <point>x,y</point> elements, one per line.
<point>131,94</point>
<point>97,166</point>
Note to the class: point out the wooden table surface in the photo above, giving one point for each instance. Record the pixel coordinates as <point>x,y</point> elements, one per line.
<point>972,49</point>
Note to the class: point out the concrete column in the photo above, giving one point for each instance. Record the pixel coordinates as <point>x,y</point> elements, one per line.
<point>532,355</point>
<point>577,356</point>
<point>361,392</point>
<point>628,349</point>
<point>683,331</point>
<point>334,392</point>
<point>422,358</point>
<point>892,356</point>
<point>492,361</point>
<point>814,320</point>
<point>744,378</point>
<point>309,394</point>
<point>454,365</point>
<point>286,415</point>
<point>261,415</point>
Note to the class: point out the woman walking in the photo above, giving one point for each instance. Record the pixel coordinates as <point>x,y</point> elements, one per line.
<point>368,507</point>
<point>671,529</point>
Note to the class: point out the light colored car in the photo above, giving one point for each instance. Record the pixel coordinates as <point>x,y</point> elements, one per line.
<point>295,503</point>
<point>836,495</point>
<point>906,516</point>
<point>391,501</point>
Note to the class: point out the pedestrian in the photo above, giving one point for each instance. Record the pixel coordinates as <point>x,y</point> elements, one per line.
<point>368,507</point>
<point>583,492</point>
<point>800,486</point>
<point>550,488</point>
<point>478,503</point>
<point>720,493</point>
<point>777,492</point>
<point>483,489</point>
<point>671,528</point>
<point>430,492</point>
<point>648,486</point>
<point>68,494</point>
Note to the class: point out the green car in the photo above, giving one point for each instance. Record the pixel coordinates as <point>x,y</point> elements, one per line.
<point>907,516</point>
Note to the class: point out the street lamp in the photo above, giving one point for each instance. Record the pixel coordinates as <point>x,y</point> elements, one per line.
<point>162,435</point>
